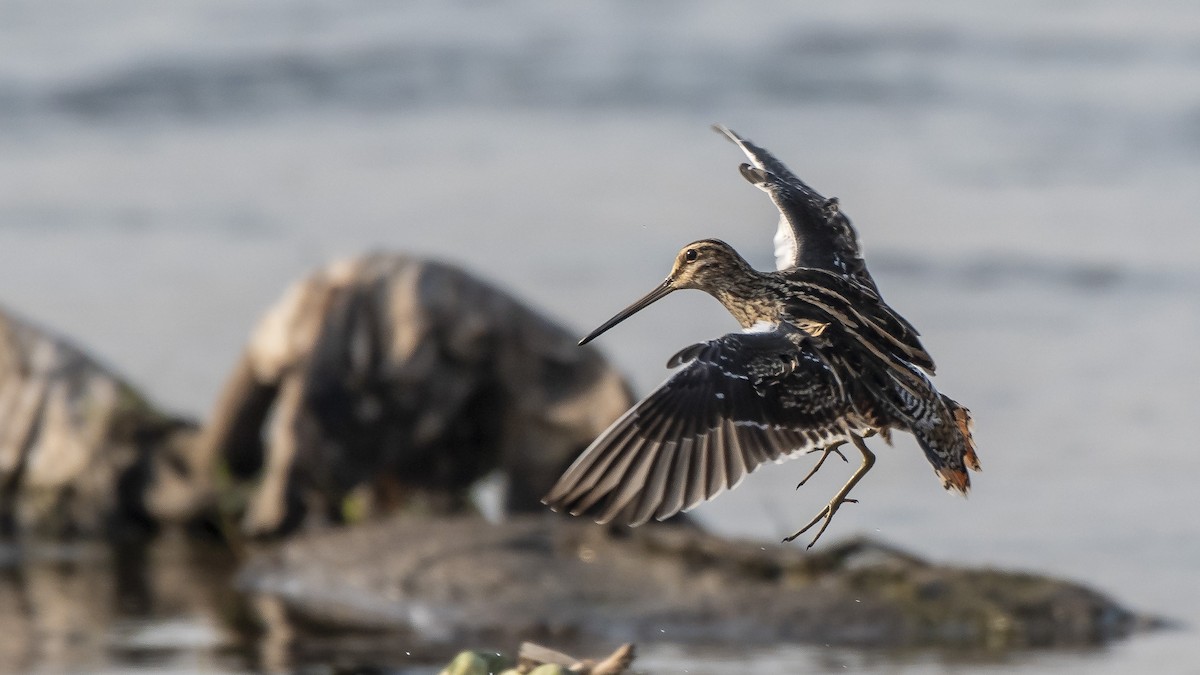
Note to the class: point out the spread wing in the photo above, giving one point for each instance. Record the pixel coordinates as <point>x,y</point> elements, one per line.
<point>813,232</point>
<point>737,402</point>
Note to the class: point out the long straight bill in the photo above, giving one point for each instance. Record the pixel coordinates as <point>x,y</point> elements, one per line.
<point>653,296</point>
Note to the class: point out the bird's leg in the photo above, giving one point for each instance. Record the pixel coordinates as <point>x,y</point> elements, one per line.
<point>824,453</point>
<point>840,498</point>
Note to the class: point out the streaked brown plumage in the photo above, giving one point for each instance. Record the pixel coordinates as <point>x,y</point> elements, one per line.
<point>797,295</point>
<point>825,361</point>
<point>814,232</point>
<point>832,365</point>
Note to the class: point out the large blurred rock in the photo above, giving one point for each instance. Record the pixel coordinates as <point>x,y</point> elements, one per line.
<point>410,378</point>
<point>81,451</point>
<point>466,581</point>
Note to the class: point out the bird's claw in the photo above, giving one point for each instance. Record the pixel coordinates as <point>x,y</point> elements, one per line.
<point>825,515</point>
<point>843,495</point>
<point>824,454</point>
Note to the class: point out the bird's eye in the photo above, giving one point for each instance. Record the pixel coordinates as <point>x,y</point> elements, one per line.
<point>690,255</point>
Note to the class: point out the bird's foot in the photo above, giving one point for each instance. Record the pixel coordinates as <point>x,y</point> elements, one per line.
<point>825,515</point>
<point>824,454</point>
<point>843,495</point>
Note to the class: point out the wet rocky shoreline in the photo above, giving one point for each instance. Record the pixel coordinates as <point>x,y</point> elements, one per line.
<point>465,581</point>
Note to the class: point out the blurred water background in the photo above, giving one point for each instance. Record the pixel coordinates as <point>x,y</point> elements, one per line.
<point>1025,177</point>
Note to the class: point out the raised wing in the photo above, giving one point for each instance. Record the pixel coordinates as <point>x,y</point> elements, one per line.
<point>738,401</point>
<point>813,231</point>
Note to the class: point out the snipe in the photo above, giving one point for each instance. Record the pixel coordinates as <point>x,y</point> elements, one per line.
<point>823,361</point>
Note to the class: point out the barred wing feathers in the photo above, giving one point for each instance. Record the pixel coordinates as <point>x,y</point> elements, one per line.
<point>736,403</point>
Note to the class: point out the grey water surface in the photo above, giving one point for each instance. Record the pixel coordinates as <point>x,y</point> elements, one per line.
<point>1024,177</point>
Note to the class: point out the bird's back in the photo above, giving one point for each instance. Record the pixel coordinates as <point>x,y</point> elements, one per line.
<point>808,294</point>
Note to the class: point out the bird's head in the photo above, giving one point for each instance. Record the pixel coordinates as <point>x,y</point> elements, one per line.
<point>704,265</point>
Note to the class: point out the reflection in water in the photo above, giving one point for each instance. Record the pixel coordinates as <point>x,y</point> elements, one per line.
<point>171,606</point>
<point>87,606</point>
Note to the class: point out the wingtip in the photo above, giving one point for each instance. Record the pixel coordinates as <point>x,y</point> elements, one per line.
<point>565,507</point>
<point>726,132</point>
<point>558,498</point>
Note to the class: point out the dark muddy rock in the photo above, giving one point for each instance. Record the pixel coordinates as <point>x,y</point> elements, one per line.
<point>385,380</point>
<point>551,580</point>
<point>82,451</point>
